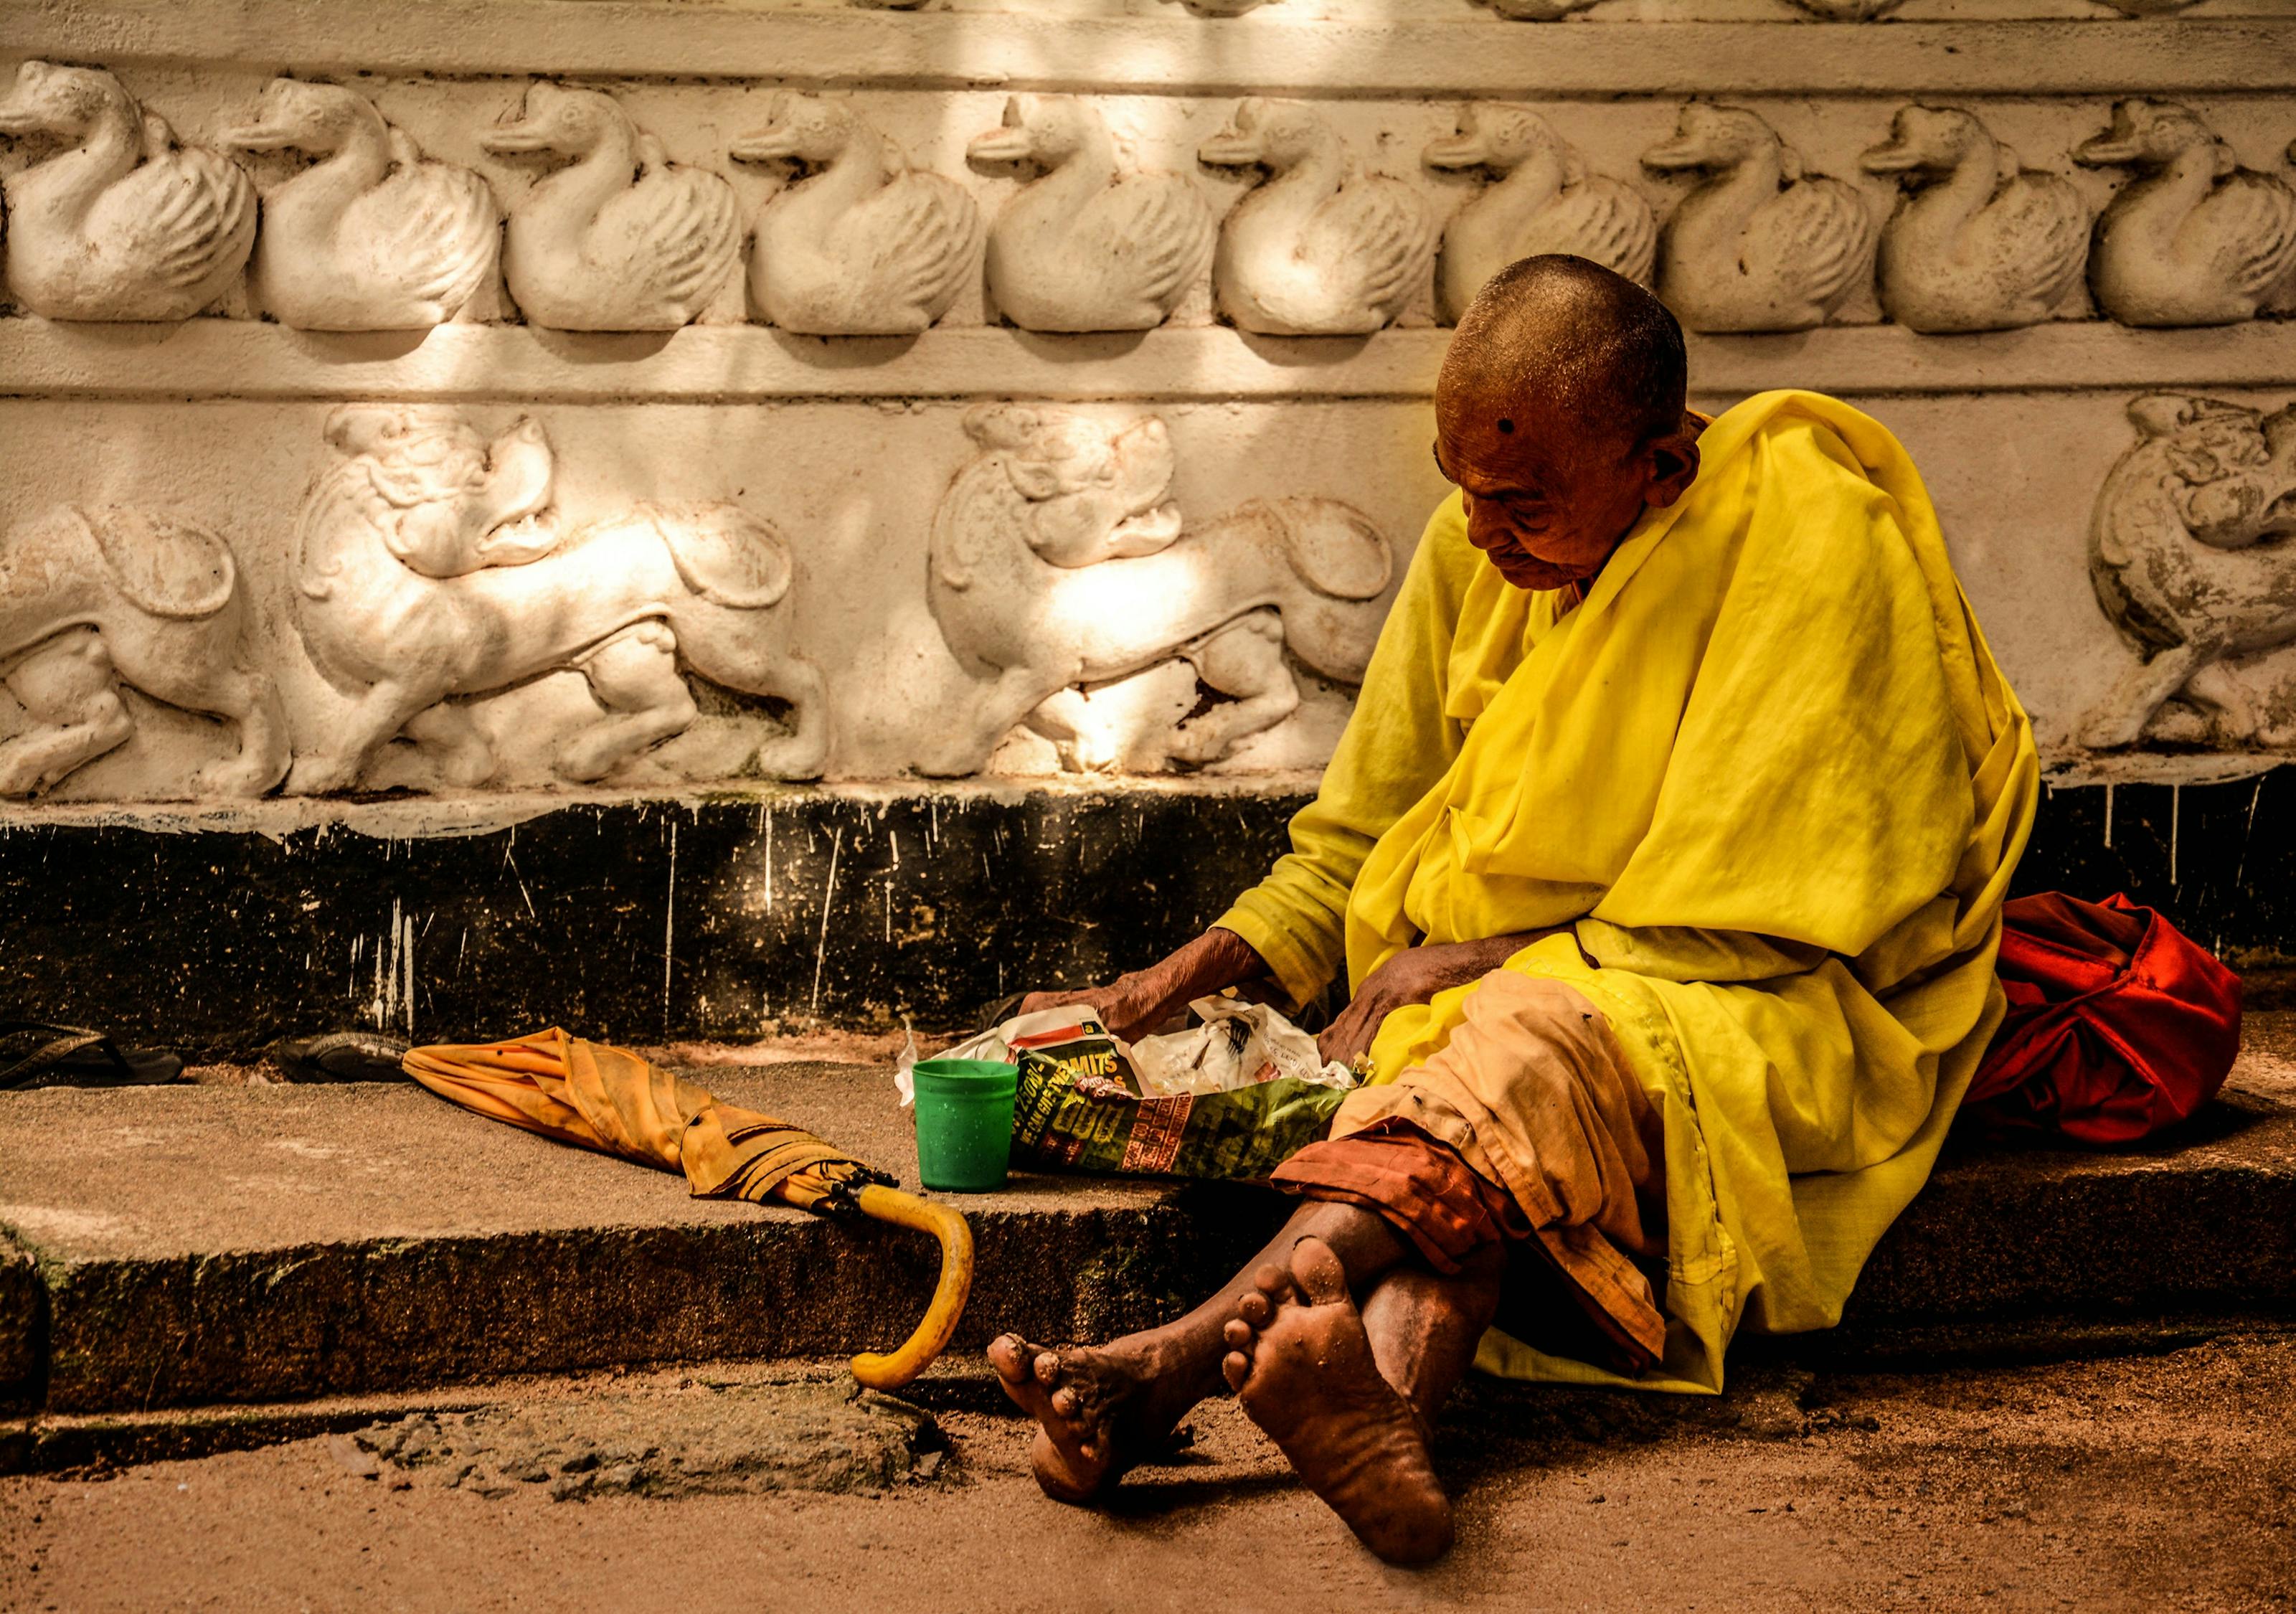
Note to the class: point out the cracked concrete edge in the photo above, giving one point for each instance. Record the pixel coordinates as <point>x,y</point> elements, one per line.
<point>23,1326</point>
<point>342,1319</point>
<point>1981,1263</point>
<point>2001,1244</point>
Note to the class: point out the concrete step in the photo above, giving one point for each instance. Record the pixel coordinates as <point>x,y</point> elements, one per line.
<point>206,1244</point>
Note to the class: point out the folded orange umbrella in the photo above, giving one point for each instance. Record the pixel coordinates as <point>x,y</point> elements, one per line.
<point>607,1098</point>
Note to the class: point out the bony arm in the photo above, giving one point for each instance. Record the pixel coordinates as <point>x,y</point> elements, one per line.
<point>1135,1005</point>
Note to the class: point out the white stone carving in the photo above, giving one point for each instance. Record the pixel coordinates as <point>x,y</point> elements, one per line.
<point>1848,11</point>
<point>1538,10</point>
<point>95,599</point>
<point>432,573</point>
<point>1090,245</point>
<point>127,223</point>
<point>1059,560</point>
<point>862,244</point>
<point>1756,245</point>
<point>1545,200</point>
<point>2189,552</point>
<point>1320,249</point>
<point>621,238</point>
<point>2195,238</point>
<point>374,235</point>
<point>1979,243</point>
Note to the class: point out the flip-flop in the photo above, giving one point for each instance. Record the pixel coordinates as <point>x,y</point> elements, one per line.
<point>35,1054</point>
<point>341,1056</point>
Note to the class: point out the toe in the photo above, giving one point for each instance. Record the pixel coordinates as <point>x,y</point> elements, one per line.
<point>1009,1354</point>
<point>1318,1271</point>
<point>1065,1402</point>
<point>1049,1368</point>
<point>1272,1281</point>
<point>1238,1333</point>
<point>1256,1309</point>
<point>1236,1367</point>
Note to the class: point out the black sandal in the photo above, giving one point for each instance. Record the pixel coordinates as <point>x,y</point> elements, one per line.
<point>35,1054</point>
<point>341,1056</point>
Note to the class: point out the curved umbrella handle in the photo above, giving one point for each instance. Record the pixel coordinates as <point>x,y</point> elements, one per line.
<point>932,1335</point>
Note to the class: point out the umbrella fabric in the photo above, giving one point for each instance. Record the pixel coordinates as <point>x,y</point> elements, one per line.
<point>605,1098</point>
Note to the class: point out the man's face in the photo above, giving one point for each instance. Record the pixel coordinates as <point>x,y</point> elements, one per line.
<point>1548,499</point>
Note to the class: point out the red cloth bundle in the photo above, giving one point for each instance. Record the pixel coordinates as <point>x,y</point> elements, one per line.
<point>2119,1024</point>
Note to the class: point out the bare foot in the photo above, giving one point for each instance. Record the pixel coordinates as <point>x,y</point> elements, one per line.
<point>1101,1411</point>
<point>1301,1364</point>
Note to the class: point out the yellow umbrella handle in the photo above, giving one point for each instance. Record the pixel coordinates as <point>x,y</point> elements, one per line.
<point>932,1335</point>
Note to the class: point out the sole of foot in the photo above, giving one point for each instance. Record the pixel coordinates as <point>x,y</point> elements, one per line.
<point>1301,1364</point>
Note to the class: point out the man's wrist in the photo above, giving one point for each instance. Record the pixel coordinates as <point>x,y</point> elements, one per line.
<point>1212,962</point>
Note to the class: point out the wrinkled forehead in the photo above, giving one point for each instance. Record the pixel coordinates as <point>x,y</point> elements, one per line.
<point>1497,423</point>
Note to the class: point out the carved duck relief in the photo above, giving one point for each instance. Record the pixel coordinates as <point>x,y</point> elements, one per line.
<point>1756,245</point>
<point>373,236</point>
<point>1319,249</point>
<point>1545,200</point>
<point>622,239</point>
<point>1978,244</point>
<point>1090,245</point>
<point>2195,238</point>
<point>127,224</point>
<point>862,244</point>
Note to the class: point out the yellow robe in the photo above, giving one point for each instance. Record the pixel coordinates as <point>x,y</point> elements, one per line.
<point>1770,776</point>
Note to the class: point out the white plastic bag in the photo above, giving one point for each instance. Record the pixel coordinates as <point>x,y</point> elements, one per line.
<point>1238,1043</point>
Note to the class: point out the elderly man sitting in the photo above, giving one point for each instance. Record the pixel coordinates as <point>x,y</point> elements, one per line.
<point>1665,854</point>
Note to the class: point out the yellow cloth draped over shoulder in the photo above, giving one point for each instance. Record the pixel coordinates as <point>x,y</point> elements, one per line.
<point>1769,776</point>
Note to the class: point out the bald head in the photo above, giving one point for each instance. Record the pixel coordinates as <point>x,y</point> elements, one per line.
<point>1567,341</point>
<point>1560,412</point>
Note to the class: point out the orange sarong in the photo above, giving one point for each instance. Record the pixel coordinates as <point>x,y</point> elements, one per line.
<point>1526,1127</point>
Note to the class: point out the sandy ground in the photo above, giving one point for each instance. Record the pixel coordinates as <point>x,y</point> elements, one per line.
<point>2146,1483</point>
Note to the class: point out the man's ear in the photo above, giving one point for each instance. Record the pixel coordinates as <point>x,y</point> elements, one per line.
<point>1672,465</point>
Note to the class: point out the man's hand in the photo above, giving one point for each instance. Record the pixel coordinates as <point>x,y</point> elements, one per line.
<point>1413,975</point>
<point>1136,1005</point>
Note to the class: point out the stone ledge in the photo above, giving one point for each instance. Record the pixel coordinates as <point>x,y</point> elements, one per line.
<point>206,1244</point>
<point>202,1245</point>
<point>1174,54</point>
<point>220,358</point>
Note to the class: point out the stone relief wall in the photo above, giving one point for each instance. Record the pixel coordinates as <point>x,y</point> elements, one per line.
<point>394,407</point>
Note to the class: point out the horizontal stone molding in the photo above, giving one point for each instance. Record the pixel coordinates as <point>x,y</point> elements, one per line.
<point>1264,53</point>
<point>215,359</point>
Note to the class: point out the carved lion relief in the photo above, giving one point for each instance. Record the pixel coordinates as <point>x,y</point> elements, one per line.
<point>433,573</point>
<point>1059,561</point>
<point>374,235</point>
<point>2195,238</point>
<point>95,599</point>
<point>1757,244</point>
<point>1319,249</point>
<point>620,238</point>
<point>2189,552</point>
<point>125,223</point>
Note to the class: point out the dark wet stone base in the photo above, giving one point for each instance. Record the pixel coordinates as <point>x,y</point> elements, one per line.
<point>734,917</point>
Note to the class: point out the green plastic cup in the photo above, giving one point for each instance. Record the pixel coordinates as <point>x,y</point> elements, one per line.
<point>965,1122</point>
